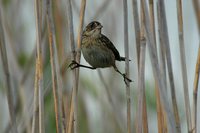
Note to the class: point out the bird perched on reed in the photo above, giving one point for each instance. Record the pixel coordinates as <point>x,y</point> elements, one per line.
<point>98,50</point>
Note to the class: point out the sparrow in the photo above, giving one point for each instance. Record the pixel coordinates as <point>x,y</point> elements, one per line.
<point>98,50</point>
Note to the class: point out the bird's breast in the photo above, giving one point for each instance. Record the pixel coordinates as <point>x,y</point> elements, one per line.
<point>98,55</point>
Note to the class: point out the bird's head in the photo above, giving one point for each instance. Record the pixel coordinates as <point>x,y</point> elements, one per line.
<point>93,29</point>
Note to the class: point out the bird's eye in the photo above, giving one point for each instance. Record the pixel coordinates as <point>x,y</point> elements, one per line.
<point>93,25</point>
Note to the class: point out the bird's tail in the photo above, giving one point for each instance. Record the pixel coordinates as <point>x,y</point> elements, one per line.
<point>123,59</point>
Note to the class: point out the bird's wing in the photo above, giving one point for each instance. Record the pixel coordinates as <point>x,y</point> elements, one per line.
<point>110,45</point>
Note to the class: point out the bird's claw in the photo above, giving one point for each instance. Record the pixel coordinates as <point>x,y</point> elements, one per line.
<point>73,65</point>
<point>126,79</point>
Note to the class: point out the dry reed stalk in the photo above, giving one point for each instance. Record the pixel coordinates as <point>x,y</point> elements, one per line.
<point>156,69</point>
<point>161,115</point>
<point>141,79</point>
<point>38,91</point>
<point>126,46</point>
<point>74,103</point>
<point>141,89</point>
<point>73,56</point>
<point>141,111</point>
<point>71,115</point>
<point>137,28</point>
<point>137,36</point>
<point>57,14</point>
<point>183,64</point>
<point>56,79</point>
<point>195,92</point>
<point>196,79</point>
<point>78,56</point>
<point>165,48</point>
<point>159,109</point>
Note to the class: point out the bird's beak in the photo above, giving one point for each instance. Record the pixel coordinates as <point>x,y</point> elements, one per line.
<point>99,27</point>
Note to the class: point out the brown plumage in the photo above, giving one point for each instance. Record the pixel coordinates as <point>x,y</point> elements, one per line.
<point>98,50</point>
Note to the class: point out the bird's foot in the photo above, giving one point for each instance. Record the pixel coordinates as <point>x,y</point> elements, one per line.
<point>73,65</point>
<point>126,79</point>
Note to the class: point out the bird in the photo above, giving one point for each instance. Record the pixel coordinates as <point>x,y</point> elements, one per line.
<point>98,50</point>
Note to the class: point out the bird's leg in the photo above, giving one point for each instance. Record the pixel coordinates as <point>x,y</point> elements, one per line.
<point>75,64</point>
<point>124,76</point>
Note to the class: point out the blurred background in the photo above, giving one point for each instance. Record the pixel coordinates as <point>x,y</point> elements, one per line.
<point>102,92</point>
